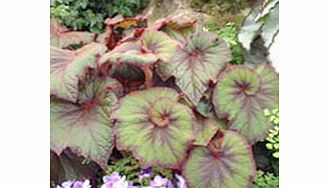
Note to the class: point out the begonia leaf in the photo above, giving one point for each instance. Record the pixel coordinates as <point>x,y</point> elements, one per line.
<point>67,67</point>
<point>154,127</point>
<point>126,23</point>
<point>152,46</point>
<point>160,44</point>
<point>243,93</point>
<point>177,28</point>
<point>226,163</point>
<point>61,37</point>
<point>85,127</point>
<point>196,64</point>
<point>130,53</point>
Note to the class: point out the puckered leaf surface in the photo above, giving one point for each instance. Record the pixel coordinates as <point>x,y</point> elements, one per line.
<point>233,167</point>
<point>154,127</point>
<point>198,62</point>
<point>86,127</point>
<point>243,94</point>
<point>67,67</point>
<point>61,37</point>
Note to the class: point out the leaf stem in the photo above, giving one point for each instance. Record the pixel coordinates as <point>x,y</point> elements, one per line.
<point>148,76</point>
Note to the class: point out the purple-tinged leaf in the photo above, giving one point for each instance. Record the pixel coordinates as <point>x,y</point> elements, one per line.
<point>61,37</point>
<point>196,64</point>
<point>179,28</point>
<point>227,162</point>
<point>243,94</point>
<point>119,30</point>
<point>129,53</point>
<point>126,23</point>
<point>72,167</point>
<point>154,127</point>
<point>206,129</point>
<point>178,24</point>
<point>152,46</point>
<point>160,44</point>
<point>68,67</point>
<point>85,128</point>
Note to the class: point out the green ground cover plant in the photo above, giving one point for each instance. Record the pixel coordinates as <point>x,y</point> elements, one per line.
<point>265,180</point>
<point>89,15</point>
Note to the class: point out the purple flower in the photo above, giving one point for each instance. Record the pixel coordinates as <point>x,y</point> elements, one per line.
<point>116,181</point>
<point>159,182</point>
<point>114,177</point>
<point>66,184</point>
<point>79,184</point>
<point>75,184</point>
<point>146,173</point>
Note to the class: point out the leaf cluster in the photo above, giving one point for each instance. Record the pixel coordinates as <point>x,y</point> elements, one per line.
<point>265,180</point>
<point>273,136</point>
<point>166,92</point>
<point>89,15</point>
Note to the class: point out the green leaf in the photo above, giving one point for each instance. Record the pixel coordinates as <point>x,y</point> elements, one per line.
<point>154,127</point>
<point>269,146</point>
<point>206,129</point>
<point>276,146</point>
<point>204,107</point>
<point>85,128</point>
<point>61,37</point>
<point>196,64</point>
<point>267,112</point>
<point>160,44</point>
<point>243,94</point>
<point>265,180</point>
<point>276,154</point>
<point>68,67</point>
<point>232,166</point>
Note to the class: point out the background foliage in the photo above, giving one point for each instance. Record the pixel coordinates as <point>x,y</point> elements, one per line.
<point>265,180</point>
<point>90,14</point>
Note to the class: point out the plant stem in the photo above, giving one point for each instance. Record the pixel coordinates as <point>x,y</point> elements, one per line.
<point>148,77</point>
